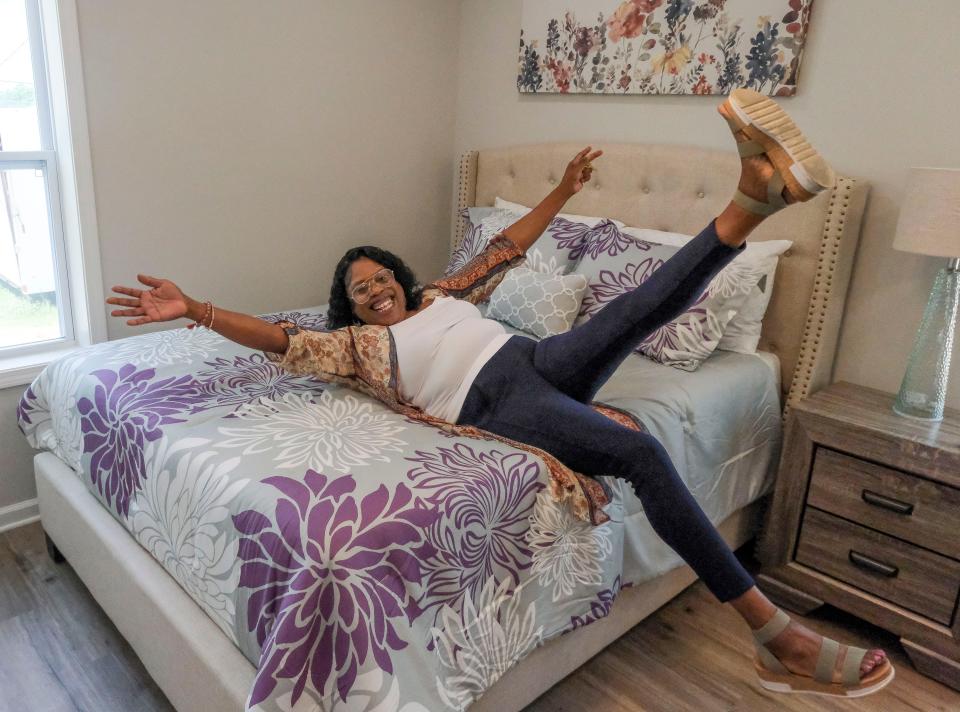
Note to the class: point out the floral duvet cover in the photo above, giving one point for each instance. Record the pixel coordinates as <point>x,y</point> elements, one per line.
<point>360,560</point>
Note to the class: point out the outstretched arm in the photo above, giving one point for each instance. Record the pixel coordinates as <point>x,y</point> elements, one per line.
<point>527,229</point>
<point>166,302</point>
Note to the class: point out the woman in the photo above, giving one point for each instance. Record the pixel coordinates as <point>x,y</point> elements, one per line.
<point>465,373</point>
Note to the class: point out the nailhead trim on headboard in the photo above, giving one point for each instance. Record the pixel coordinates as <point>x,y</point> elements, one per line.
<point>466,192</point>
<point>810,348</point>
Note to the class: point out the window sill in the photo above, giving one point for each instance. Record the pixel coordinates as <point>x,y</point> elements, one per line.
<point>21,370</point>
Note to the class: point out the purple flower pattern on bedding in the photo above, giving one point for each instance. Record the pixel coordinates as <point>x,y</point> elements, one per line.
<point>484,501</point>
<point>611,285</point>
<point>239,380</point>
<point>27,403</point>
<point>126,411</point>
<point>563,239</point>
<point>605,238</point>
<point>305,320</point>
<point>469,247</point>
<point>570,236</point>
<point>383,585</point>
<point>330,575</point>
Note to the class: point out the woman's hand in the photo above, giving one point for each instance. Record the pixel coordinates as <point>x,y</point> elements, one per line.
<point>579,170</point>
<point>165,302</point>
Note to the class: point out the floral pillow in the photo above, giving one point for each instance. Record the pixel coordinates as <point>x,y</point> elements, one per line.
<point>615,263</point>
<point>556,251</point>
<point>539,303</point>
<point>743,332</point>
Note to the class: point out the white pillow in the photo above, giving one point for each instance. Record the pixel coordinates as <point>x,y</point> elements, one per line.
<point>499,202</point>
<point>539,303</point>
<point>742,334</point>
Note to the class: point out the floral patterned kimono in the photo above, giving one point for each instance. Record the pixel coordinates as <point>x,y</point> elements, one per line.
<point>364,358</point>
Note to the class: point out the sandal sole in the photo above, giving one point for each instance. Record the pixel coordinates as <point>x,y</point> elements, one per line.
<point>804,170</point>
<point>798,684</point>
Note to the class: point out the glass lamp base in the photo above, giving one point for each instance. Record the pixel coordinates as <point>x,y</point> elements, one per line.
<point>917,413</point>
<point>924,388</point>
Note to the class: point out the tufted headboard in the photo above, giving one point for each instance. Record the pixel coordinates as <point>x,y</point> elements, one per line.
<point>680,189</point>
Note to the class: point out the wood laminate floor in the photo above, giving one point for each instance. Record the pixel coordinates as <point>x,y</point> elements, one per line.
<point>60,652</point>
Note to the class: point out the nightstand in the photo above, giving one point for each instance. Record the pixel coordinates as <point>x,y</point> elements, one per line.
<point>866,517</point>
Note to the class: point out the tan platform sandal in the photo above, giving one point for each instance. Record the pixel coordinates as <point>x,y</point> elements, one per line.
<point>799,168</point>
<point>775,677</point>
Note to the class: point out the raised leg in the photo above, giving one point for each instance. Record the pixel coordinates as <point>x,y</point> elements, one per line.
<point>580,361</point>
<point>522,405</point>
<point>52,551</point>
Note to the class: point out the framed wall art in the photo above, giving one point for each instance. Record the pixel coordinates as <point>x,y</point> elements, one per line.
<point>662,46</point>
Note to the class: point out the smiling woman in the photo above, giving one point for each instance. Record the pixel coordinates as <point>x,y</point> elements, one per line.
<point>358,268</point>
<point>429,354</point>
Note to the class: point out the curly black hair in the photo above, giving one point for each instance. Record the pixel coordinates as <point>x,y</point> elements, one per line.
<point>340,311</point>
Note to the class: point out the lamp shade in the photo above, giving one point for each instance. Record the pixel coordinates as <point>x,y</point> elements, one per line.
<point>930,215</point>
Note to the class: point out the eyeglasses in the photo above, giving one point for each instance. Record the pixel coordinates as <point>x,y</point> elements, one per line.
<point>361,293</point>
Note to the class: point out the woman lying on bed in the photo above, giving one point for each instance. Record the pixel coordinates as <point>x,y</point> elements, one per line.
<point>462,369</point>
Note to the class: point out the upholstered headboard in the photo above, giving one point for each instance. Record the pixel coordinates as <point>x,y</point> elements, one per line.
<point>680,189</point>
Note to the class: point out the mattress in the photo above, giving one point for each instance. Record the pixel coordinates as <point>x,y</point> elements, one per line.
<point>358,558</point>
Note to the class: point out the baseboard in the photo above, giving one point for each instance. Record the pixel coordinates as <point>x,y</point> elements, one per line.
<point>16,515</point>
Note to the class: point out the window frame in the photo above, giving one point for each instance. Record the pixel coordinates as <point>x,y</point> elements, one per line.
<point>62,116</point>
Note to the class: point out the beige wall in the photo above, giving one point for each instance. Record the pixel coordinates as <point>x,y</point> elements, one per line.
<point>878,93</point>
<point>239,147</point>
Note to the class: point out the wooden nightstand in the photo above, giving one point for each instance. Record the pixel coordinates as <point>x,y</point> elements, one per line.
<point>866,517</point>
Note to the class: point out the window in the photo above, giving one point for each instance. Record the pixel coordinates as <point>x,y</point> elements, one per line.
<point>50,293</point>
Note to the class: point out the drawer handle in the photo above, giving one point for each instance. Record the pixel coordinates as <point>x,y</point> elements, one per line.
<point>894,505</point>
<point>869,564</point>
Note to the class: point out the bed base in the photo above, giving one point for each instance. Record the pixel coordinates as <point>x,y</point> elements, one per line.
<point>201,670</point>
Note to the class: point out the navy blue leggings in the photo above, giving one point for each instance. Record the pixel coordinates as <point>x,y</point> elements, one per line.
<point>538,393</point>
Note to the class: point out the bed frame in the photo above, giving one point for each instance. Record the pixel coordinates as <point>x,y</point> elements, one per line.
<point>673,188</point>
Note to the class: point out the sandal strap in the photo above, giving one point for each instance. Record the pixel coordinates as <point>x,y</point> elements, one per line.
<point>851,666</point>
<point>775,191</point>
<point>776,625</point>
<point>774,202</point>
<point>826,661</point>
<point>750,148</point>
<point>752,205</point>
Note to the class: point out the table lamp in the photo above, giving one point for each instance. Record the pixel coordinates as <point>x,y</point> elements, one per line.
<point>929,224</point>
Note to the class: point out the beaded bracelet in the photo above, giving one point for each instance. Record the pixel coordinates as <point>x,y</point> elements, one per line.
<point>206,313</point>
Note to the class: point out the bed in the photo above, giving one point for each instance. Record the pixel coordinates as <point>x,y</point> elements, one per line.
<point>200,605</point>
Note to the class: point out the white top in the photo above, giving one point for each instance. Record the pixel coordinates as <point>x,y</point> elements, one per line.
<point>440,350</point>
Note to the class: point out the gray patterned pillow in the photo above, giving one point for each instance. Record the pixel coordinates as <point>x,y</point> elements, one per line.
<point>541,304</point>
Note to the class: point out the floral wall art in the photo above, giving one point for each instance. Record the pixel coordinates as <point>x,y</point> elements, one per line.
<point>662,46</point>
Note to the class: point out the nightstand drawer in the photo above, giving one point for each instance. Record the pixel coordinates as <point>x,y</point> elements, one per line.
<point>892,501</point>
<point>914,578</point>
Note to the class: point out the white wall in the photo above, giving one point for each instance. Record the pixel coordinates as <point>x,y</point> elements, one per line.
<point>878,92</point>
<point>240,147</point>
